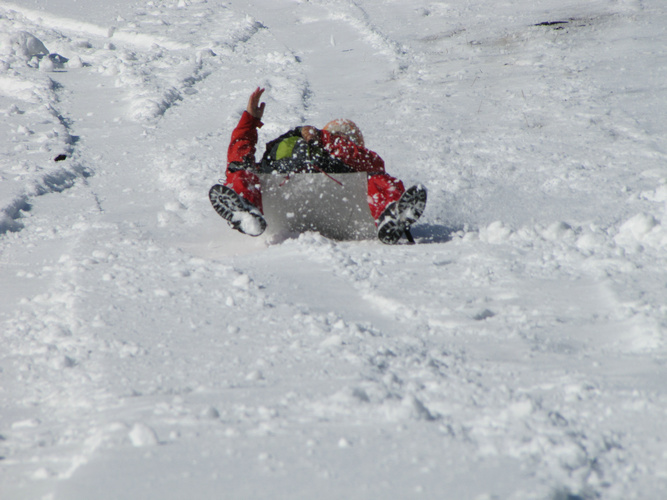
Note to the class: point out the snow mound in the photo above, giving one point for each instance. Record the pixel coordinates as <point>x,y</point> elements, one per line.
<point>23,45</point>
<point>142,435</point>
<point>641,230</point>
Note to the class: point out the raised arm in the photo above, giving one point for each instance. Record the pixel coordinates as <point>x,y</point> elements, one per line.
<point>244,137</point>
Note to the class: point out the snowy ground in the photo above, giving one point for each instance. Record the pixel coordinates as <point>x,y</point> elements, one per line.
<point>518,352</point>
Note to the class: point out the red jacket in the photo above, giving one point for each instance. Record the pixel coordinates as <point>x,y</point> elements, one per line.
<point>244,141</point>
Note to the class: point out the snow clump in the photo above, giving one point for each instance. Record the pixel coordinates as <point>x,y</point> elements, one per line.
<point>141,435</point>
<point>22,45</point>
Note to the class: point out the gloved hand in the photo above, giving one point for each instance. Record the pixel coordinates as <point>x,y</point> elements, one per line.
<point>254,107</point>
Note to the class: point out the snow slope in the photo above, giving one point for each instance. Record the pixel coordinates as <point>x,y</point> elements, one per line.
<point>517,352</point>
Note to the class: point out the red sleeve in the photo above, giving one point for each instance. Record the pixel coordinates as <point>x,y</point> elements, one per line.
<point>244,139</point>
<point>356,157</point>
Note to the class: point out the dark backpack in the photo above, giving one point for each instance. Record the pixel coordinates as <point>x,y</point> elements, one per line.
<point>290,153</point>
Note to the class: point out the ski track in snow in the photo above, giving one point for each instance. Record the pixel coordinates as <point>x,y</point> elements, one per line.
<point>517,352</point>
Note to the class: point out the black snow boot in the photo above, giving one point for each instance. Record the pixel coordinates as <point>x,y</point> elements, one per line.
<point>238,213</point>
<point>399,215</point>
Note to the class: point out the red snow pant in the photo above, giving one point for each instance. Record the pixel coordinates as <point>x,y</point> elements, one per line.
<point>382,189</point>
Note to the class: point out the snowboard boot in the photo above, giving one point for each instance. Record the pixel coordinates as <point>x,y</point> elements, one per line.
<point>399,215</point>
<point>238,213</point>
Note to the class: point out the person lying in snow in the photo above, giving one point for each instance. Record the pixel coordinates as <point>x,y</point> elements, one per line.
<point>337,148</point>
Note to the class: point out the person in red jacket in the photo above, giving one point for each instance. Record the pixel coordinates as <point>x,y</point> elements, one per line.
<point>239,201</point>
